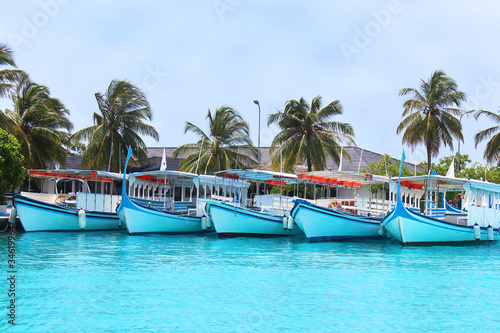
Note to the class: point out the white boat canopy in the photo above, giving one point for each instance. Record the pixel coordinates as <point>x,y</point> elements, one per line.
<point>172,177</point>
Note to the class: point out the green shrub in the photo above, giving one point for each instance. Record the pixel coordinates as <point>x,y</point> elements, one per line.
<point>12,172</point>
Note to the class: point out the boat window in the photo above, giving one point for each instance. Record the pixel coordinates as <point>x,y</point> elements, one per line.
<point>117,187</point>
<point>95,187</point>
<point>92,186</point>
<point>64,186</point>
<point>177,193</point>
<point>105,187</point>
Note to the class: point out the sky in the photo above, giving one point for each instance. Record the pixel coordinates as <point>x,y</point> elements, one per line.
<point>191,56</point>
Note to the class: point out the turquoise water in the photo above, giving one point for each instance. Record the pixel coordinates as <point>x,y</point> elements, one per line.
<point>112,282</point>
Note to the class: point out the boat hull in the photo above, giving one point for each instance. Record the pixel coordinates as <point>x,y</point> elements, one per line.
<point>412,229</point>
<point>145,220</point>
<point>231,221</point>
<point>40,216</point>
<point>325,224</point>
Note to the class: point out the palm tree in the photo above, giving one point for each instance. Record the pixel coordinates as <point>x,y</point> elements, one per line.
<point>308,135</point>
<point>226,146</point>
<point>119,125</point>
<point>8,76</point>
<point>429,118</point>
<point>39,122</point>
<point>492,150</point>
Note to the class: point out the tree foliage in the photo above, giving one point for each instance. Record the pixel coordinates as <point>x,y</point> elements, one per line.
<point>429,117</point>
<point>8,75</point>
<point>387,168</point>
<point>226,146</point>
<point>492,150</point>
<point>308,135</point>
<point>76,148</point>
<point>12,172</point>
<point>39,122</point>
<point>444,165</point>
<point>475,170</point>
<point>123,108</point>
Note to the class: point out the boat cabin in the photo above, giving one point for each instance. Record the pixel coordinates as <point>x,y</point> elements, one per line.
<point>265,179</point>
<point>90,190</point>
<point>353,192</point>
<point>182,192</point>
<point>478,201</point>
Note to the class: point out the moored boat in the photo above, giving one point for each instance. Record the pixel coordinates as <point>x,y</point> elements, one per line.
<point>260,216</point>
<point>354,213</point>
<point>476,221</point>
<point>78,209</point>
<point>167,201</point>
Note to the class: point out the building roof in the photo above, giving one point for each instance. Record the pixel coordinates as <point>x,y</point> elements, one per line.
<point>73,162</point>
<point>360,159</point>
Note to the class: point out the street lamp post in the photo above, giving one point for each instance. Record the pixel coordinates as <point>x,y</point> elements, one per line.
<point>258,151</point>
<point>460,120</point>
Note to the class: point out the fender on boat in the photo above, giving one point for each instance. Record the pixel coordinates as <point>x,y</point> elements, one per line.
<point>82,219</point>
<point>381,230</point>
<point>209,222</point>
<point>204,220</point>
<point>477,231</point>
<point>13,215</point>
<point>489,231</point>
<point>291,221</point>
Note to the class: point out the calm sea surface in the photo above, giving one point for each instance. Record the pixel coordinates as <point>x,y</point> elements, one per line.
<point>112,282</point>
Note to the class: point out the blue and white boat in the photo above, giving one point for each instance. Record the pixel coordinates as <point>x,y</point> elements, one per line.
<point>355,212</point>
<point>73,200</point>
<point>260,216</point>
<point>476,221</point>
<point>169,202</point>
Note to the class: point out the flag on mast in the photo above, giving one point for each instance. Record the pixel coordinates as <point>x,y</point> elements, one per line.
<point>451,170</point>
<point>163,165</point>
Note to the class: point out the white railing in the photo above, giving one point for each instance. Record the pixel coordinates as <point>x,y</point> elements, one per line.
<point>273,201</point>
<point>98,202</point>
<point>363,206</point>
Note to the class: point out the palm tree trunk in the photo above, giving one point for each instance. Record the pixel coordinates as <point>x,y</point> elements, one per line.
<point>429,159</point>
